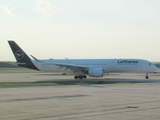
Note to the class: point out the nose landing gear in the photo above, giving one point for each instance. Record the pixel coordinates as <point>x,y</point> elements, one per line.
<point>146,77</point>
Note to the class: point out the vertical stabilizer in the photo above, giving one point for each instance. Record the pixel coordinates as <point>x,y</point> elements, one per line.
<point>21,57</point>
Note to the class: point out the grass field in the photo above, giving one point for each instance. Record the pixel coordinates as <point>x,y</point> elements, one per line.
<point>17,70</point>
<point>55,83</point>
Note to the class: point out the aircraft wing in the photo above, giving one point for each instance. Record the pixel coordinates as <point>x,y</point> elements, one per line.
<point>72,66</point>
<point>65,65</point>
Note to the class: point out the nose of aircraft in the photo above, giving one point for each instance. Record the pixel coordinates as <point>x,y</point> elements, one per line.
<point>155,68</point>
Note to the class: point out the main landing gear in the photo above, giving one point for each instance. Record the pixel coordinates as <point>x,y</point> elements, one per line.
<point>80,77</point>
<point>147,77</point>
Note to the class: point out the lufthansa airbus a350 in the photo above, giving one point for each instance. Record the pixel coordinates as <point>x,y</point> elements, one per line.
<point>83,67</point>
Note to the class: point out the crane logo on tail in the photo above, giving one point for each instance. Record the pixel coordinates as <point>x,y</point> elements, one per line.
<point>19,54</point>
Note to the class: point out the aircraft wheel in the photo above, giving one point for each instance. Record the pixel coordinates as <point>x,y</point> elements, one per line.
<point>80,77</point>
<point>75,77</point>
<point>146,77</point>
<point>84,76</point>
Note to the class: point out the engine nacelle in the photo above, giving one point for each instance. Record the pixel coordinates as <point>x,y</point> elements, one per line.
<point>95,72</point>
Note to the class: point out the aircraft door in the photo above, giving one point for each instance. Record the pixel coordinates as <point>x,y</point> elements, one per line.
<point>112,63</point>
<point>140,64</point>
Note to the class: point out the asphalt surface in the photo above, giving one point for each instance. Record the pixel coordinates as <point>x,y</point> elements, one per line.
<point>129,97</point>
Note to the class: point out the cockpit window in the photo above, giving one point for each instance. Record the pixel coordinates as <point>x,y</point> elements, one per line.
<point>150,63</point>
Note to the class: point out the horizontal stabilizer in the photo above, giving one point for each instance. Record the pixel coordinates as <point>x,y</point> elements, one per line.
<point>37,60</point>
<point>15,63</point>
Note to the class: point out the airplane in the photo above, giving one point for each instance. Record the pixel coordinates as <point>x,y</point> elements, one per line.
<point>82,68</point>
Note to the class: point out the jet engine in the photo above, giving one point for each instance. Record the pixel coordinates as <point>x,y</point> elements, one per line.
<point>95,72</point>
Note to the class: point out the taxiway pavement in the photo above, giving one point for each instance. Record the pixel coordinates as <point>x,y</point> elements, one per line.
<point>131,97</point>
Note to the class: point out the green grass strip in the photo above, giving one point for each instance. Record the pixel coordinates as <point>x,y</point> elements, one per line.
<point>30,84</point>
<point>25,84</point>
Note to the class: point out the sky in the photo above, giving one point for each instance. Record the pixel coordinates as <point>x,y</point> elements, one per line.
<point>81,29</point>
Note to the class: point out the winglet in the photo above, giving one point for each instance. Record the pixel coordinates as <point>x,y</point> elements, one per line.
<point>37,60</point>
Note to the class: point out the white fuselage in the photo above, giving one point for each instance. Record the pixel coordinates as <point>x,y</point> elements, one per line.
<point>83,67</point>
<point>108,65</point>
